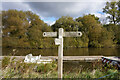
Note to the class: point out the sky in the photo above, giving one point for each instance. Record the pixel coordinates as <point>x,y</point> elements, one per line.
<point>51,10</point>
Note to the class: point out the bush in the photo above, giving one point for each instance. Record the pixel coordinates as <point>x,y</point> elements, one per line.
<point>5,62</point>
<point>46,67</point>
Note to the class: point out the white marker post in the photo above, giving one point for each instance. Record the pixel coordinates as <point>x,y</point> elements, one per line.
<point>59,41</point>
<point>60,53</point>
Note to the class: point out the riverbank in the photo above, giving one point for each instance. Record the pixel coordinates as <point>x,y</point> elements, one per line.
<point>18,69</point>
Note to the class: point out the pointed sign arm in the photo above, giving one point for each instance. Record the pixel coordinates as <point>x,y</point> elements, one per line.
<point>65,34</point>
<point>50,34</point>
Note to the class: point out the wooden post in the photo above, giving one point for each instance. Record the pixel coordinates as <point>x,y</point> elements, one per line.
<point>60,54</point>
<point>59,41</point>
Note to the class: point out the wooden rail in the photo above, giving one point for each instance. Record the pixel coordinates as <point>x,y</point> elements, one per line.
<point>67,58</point>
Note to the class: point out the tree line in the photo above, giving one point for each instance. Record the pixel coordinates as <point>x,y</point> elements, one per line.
<point>24,29</point>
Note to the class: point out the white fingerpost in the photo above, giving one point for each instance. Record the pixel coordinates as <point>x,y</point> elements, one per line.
<point>60,53</point>
<point>59,42</point>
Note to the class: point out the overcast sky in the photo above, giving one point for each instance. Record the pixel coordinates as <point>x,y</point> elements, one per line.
<point>49,12</point>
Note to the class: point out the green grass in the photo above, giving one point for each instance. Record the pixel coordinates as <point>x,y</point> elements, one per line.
<point>19,69</point>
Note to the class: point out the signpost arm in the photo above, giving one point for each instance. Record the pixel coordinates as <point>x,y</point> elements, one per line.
<point>60,54</point>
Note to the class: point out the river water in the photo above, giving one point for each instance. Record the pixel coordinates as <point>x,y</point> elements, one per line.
<point>67,52</point>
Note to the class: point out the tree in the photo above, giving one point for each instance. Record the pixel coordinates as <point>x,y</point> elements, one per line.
<point>106,39</point>
<point>92,28</point>
<point>67,23</point>
<point>118,18</point>
<point>14,27</point>
<point>23,29</point>
<point>111,8</point>
<point>115,30</point>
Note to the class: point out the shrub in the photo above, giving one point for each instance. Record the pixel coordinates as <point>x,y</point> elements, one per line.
<point>5,62</point>
<point>46,67</point>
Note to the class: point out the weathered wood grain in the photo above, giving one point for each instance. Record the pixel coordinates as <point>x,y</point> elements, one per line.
<point>65,58</point>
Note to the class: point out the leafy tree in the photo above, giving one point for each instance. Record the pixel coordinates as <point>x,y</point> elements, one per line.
<point>14,27</point>
<point>115,30</point>
<point>67,23</point>
<point>106,39</point>
<point>23,29</point>
<point>111,8</point>
<point>118,18</point>
<point>92,28</point>
<point>35,30</point>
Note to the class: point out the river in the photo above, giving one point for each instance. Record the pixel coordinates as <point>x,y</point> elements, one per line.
<point>67,52</point>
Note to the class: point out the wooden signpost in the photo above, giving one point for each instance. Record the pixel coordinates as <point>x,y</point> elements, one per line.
<point>59,41</point>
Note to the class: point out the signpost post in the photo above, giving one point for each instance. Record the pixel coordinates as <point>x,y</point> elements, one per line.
<point>59,41</point>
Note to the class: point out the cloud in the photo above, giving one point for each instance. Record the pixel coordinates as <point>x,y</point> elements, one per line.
<point>58,9</point>
<point>49,10</point>
<point>15,5</point>
<point>54,0</point>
